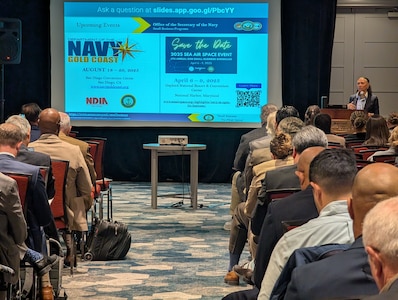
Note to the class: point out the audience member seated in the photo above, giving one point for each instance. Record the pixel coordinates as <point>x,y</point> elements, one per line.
<point>259,152</point>
<point>31,157</point>
<point>358,120</point>
<point>38,212</point>
<point>238,179</point>
<point>281,178</point>
<point>13,233</point>
<point>392,120</point>
<point>281,149</point>
<point>393,143</point>
<point>298,206</point>
<point>31,112</point>
<point>380,237</point>
<point>13,229</point>
<point>324,122</point>
<point>332,173</point>
<point>242,181</point>
<point>347,274</point>
<point>285,177</point>
<point>38,209</point>
<point>377,132</point>
<point>310,114</point>
<point>260,148</point>
<point>28,156</point>
<point>64,130</point>
<point>243,148</point>
<point>364,99</point>
<point>78,183</point>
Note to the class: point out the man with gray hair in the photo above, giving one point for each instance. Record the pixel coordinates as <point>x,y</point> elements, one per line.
<point>380,236</point>
<point>29,156</point>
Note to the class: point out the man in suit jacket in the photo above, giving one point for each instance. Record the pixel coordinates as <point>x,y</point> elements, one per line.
<point>78,186</point>
<point>243,148</point>
<point>64,130</point>
<point>380,240</point>
<point>13,230</point>
<point>31,157</point>
<point>347,274</point>
<point>38,209</point>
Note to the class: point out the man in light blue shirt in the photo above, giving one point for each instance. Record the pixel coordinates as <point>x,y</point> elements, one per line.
<point>331,175</point>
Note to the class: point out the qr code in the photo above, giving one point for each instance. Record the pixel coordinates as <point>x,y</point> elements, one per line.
<point>248,98</point>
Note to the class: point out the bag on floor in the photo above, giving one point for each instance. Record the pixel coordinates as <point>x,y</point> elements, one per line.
<point>110,240</point>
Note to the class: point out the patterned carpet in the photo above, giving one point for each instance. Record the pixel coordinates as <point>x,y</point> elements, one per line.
<point>176,252</point>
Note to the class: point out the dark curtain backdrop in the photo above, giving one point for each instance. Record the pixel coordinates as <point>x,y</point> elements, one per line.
<point>307,42</point>
<point>307,38</point>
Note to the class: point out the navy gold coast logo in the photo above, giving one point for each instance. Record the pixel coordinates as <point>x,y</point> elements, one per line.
<point>100,51</point>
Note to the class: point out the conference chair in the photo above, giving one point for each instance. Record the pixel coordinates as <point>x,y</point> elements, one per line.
<point>5,287</point>
<point>23,185</point>
<point>44,173</point>
<point>334,145</point>
<point>103,185</point>
<point>386,158</point>
<point>30,284</point>
<point>58,205</point>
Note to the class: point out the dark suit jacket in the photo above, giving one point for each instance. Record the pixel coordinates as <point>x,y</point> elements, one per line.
<point>12,226</point>
<point>38,209</point>
<point>342,275</point>
<point>280,178</point>
<point>391,294</point>
<point>243,149</point>
<point>31,157</point>
<point>299,205</point>
<point>34,132</point>
<point>371,104</point>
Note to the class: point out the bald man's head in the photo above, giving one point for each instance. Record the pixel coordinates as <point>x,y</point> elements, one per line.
<point>372,184</point>
<point>303,165</point>
<point>49,120</point>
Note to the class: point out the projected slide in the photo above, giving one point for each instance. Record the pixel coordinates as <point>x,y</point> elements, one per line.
<point>166,61</point>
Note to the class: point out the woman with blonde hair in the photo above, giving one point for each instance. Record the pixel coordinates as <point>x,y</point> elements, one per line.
<point>393,143</point>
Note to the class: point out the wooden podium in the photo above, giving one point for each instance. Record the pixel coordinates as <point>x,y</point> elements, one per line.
<point>340,119</point>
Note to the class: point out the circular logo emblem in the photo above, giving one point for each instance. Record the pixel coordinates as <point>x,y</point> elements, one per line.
<point>128,101</point>
<point>208,117</point>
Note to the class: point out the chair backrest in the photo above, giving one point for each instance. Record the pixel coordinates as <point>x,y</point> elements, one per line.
<point>334,145</point>
<point>280,193</point>
<point>362,163</point>
<point>73,133</point>
<point>291,224</point>
<point>60,173</point>
<point>351,143</point>
<point>100,155</point>
<point>387,158</point>
<point>22,180</point>
<point>44,173</point>
<point>93,149</point>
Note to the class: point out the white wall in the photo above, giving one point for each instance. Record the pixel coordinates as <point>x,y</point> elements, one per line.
<point>365,44</point>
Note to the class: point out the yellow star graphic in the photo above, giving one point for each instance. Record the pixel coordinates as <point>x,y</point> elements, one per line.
<point>125,49</point>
